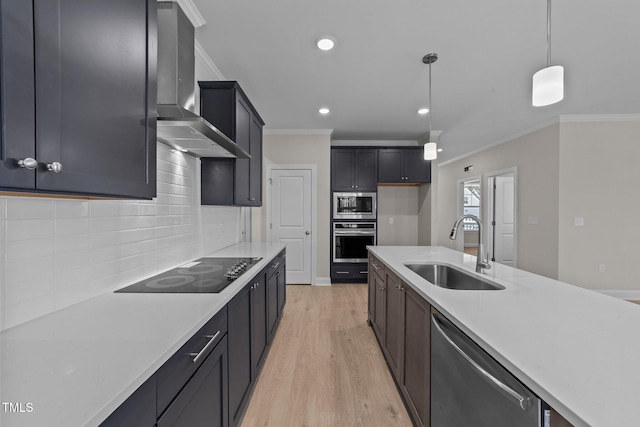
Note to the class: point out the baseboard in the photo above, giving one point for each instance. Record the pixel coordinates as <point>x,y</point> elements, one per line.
<point>631,294</point>
<point>322,281</point>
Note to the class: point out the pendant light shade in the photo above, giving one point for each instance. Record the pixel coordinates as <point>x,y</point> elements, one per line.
<point>548,86</point>
<point>430,151</point>
<point>430,148</point>
<point>548,83</point>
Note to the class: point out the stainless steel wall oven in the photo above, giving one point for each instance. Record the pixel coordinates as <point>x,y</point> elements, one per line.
<point>354,206</point>
<point>350,240</point>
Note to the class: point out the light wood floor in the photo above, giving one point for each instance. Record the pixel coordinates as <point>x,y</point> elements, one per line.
<point>325,367</point>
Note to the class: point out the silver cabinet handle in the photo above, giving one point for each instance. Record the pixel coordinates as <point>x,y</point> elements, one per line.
<point>364,272</point>
<point>374,265</point>
<point>201,353</point>
<point>342,272</point>
<point>55,167</point>
<point>253,199</point>
<point>28,163</point>
<point>276,265</point>
<point>524,402</point>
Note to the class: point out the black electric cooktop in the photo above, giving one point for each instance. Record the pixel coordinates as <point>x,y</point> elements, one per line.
<point>205,275</point>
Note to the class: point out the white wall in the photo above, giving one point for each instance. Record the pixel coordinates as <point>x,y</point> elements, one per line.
<point>299,149</point>
<point>536,155</point>
<point>599,182</point>
<point>56,252</point>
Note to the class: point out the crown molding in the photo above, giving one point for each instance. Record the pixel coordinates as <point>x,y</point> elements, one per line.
<point>192,12</point>
<point>327,132</point>
<point>600,118</point>
<point>374,143</point>
<point>202,54</point>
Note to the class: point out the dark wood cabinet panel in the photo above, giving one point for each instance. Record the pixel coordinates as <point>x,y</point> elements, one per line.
<point>225,105</point>
<point>354,169</point>
<point>282,283</point>
<point>94,106</point>
<point>240,363</point>
<point>259,325</point>
<point>394,324</point>
<point>349,273</point>
<point>403,166</point>
<point>416,384</point>
<point>139,410</point>
<point>204,400</point>
<point>371,291</point>
<point>272,303</point>
<point>379,309</point>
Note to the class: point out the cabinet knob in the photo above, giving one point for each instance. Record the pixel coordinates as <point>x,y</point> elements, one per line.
<point>307,233</point>
<point>28,163</point>
<point>55,167</point>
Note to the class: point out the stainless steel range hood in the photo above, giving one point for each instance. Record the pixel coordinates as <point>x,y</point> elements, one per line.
<point>178,126</point>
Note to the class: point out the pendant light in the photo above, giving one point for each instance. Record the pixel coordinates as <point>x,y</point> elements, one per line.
<point>548,83</point>
<point>430,148</point>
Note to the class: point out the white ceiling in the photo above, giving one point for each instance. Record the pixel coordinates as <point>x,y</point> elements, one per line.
<point>374,80</point>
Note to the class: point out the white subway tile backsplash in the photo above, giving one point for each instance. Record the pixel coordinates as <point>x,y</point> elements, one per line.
<point>58,252</point>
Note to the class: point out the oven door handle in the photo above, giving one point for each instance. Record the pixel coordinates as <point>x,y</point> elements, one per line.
<point>354,233</point>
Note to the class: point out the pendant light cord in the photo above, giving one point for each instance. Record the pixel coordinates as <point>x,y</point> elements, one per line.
<point>548,33</point>
<point>430,107</point>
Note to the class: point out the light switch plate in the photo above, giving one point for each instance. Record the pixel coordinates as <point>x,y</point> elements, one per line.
<point>578,221</point>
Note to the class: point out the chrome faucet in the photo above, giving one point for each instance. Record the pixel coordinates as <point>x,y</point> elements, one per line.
<point>481,262</point>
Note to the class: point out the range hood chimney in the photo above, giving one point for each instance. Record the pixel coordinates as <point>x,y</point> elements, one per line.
<point>178,126</point>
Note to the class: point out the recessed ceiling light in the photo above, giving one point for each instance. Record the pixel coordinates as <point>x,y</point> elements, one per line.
<point>325,43</point>
<point>323,111</point>
<point>423,111</point>
<point>439,150</point>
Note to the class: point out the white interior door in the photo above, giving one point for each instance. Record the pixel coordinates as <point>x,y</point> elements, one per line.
<point>291,220</point>
<point>504,220</point>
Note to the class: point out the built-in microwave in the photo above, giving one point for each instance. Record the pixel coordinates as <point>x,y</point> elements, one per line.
<point>354,206</point>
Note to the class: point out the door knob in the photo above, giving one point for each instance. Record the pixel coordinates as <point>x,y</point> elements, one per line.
<point>28,163</point>
<point>307,233</point>
<point>55,167</point>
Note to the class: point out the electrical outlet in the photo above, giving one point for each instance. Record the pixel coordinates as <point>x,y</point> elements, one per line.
<point>578,221</point>
<point>390,220</point>
<point>601,268</point>
<point>533,220</point>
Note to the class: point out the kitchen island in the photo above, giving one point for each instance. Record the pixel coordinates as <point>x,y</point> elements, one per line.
<point>74,367</point>
<point>576,349</point>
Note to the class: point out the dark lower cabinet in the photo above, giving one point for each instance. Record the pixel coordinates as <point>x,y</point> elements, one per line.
<point>394,324</point>
<point>78,110</point>
<point>349,272</point>
<point>272,302</point>
<point>139,410</point>
<point>416,384</point>
<point>259,323</point>
<point>401,322</point>
<point>240,362</point>
<point>282,283</point>
<point>203,402</point>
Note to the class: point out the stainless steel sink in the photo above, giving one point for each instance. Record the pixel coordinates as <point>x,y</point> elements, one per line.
<point>446,276</point>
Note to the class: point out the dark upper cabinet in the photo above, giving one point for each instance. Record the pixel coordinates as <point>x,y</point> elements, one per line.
<point>78,100</point>
<point>403,166</point>
<point>232,181</point>
<point>354,169</point>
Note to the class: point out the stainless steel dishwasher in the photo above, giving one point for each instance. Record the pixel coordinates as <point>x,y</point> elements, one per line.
<point>469,388</point>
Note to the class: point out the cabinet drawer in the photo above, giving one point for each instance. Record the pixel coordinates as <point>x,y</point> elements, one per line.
<point>377,266</point>
<point>175,373</point>
<point>349,271</point>
<point>275,264</point>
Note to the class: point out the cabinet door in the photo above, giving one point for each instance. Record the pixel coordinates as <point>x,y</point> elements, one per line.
<point>372,291</point>
<point>415,383</point>
<point>17,92</point>
<point>242,167</point>
<point>255,170</point>
<point>272,303</point>
<point>139,410</point>
<point>282,284</point>
<point>390,165</point>
<point>415,167</point>
<point>379,311</point>
<point>366,169</point>
<point>342,169</point>
<point>394,327</point>
<point>239,338</point>
<point>259,330</point>
<point>203,401</point>
<point>96,96</point>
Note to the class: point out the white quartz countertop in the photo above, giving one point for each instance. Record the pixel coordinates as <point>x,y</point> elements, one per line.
<point>576,349</point>
<point>74,367</point>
